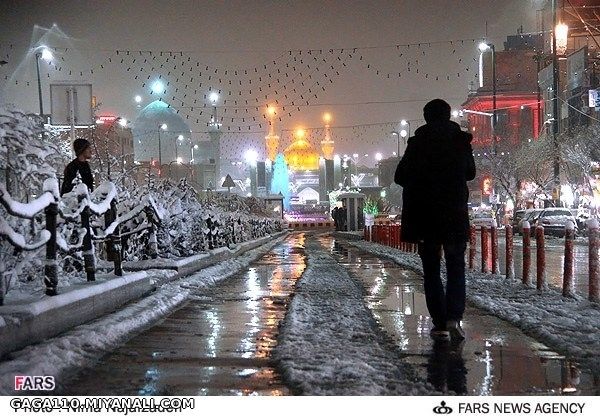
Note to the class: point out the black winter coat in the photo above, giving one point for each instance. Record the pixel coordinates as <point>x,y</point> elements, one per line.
<point>434,172</point>
<point>71,170</point>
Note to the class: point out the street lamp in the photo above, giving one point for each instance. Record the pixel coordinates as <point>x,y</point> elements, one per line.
<point>193,148</point>
<point>179,139</point>
<point>164,128</point>
<point>483,47</point>
<point>46,55</point>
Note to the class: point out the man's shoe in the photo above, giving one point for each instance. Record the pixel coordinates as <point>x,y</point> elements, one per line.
<point>439,334</point>
<point>455,330</point>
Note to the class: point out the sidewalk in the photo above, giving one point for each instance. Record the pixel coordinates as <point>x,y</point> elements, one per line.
<point>35,318</point>
<point>566,324</point>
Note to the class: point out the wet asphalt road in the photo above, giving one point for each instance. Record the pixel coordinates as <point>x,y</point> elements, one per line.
<point>220,341</point>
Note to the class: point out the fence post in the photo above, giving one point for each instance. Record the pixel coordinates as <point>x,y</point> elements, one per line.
<point>472,247</point>
<point>594,262</point>
<point>50,266</point>
<point>569,261</point>
<point>116,240</point>
<point>526,254</point>
<point>494,239</point>
<point>88,246</point>
<point>484,249</point>
<point>152,244</point>
<point>510,262</point>
<point>541,258</point>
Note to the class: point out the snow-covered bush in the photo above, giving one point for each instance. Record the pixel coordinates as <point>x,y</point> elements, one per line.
<point>27,158</point>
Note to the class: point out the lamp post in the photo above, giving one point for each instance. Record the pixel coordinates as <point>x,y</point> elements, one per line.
<point>179,139</point>
<point>555,76</point>
<point>483,47</point>
<point>192,149</point>
<point>164,128</point>
<point>46,55</point>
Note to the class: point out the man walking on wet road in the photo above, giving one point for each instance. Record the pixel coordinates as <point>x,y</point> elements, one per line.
<point>434,172</point>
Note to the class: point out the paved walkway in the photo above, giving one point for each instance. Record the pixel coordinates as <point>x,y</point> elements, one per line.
<point>496,359</point>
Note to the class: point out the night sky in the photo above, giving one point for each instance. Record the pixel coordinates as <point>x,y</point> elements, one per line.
<point>388,59</point>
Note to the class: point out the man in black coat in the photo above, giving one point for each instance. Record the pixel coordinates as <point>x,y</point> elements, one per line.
<point>83,152</point>
<point>434,172</point>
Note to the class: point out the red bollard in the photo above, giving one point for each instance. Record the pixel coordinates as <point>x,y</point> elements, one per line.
<point>494,237</point>
<point>594,262</point>
<point>541,258</point>
<point>510,263</point>
<point>485,250</point>
<point>526,254</point>
<point>400,237</point>
<point>472,247</point>
<point>569,260</point>
<point>388,235</point>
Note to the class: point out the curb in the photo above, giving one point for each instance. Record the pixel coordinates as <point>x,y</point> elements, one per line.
<point>22,325</point>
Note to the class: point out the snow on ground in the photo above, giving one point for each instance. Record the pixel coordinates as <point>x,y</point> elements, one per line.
<point>566,324</point>
<point>83,345</point>
<point>330,344</point>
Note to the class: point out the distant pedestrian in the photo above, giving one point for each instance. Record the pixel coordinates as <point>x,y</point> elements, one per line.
<point>434,172</point>
<point>83,152</point>
<point>334,215</point>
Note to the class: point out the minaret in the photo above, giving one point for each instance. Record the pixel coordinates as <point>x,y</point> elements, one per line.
<point>327,143</point>
<point>271,140</point>
<point>215,133</point>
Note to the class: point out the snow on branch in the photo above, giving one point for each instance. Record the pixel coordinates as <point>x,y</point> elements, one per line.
<point>25,210</point>
<point>18,240</point>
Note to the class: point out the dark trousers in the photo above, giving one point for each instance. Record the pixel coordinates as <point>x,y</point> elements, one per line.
<point>448,304</point>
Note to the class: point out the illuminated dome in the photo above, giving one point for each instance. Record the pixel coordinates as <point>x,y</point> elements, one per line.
<point>300,155</point>
<point>146,136</point>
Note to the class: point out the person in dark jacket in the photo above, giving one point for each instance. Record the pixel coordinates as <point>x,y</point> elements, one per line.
<point>434,172</point>
<point>83,152</point>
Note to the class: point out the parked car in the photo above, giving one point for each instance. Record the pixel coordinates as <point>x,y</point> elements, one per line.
<point>531,216</point>
<point>479,219</point>
<point>554,221</point>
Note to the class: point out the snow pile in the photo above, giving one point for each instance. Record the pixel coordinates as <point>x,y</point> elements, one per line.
<point>329,342</point>
<point>86,343</point>
<point>568,325</point>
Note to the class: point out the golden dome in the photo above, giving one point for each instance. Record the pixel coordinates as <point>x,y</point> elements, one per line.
<point>300,155</point>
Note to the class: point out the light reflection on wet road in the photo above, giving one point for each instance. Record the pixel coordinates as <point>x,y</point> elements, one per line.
<point>218,343</point>
<point>496,358</point>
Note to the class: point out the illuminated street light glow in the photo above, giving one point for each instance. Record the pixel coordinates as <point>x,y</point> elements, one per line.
<point>180,137</point>
<point>123,122</point>
<point>403,133</point>
<point>213,97</point>
<point>300,133</point>
<point>562,32</point>
<point>158,87</point>
<point>164,126</point>
<point>483,46</point>
<point>251,156</point>
<point>47,54</point>
<point>138,99</point>
<point>403,122</point>
<point>327,117</point>
<point>378,156</point>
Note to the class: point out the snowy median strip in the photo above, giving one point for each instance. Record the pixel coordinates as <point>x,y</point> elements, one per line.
<point>330,344</point>
<point>86,343</point>
<point>568,325</point>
